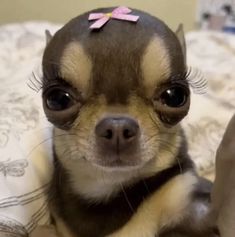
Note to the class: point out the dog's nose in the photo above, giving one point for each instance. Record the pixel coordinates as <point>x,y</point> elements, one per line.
<point>117,133</point>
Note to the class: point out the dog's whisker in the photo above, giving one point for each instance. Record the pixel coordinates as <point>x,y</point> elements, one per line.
<point>180,167</point>
<point>126,198</point>
<point>146,186</point>
<point>44,141</point>
<point>177,159</point>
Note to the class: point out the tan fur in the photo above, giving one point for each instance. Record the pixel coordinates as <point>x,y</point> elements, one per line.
<point>164,208</point>
<point>76,66</point>
<point>155,65</point>
<point>158,146</point>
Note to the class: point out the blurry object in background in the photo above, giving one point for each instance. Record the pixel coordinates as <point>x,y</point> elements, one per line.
<point>216,22</point>
<point>216,15</point>
<point>170,11</point>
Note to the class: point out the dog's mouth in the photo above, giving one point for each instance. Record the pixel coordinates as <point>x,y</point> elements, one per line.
<point>121,162</point>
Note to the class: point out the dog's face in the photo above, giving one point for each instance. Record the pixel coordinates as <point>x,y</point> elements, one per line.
<point>115,95</point>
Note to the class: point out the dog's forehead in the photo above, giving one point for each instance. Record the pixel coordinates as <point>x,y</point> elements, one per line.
<point>115,60</point>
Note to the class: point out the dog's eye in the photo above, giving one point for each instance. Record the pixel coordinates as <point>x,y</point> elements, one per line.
<point>175,96</point>
<point>58,99</point>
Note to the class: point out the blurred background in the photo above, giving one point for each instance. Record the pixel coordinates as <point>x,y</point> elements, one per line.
<point>194,14</point>
<point>172,12</point>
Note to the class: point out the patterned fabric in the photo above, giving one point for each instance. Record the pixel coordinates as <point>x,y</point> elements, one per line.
<point>25,136</point>
<point>25,139</point>
<point>214,54</point>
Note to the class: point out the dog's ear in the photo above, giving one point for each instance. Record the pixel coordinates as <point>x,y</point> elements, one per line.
<point>48,36</point>
<point>180,35</point>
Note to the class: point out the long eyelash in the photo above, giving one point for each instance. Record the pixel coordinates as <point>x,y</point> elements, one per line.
<point>194,77</point>
<point>196,80</point>
<point>35,81</point>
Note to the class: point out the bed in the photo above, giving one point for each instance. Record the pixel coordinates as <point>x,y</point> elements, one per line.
<point>25,134</point>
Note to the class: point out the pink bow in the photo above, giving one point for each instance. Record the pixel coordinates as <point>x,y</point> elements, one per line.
<point>120,13</point>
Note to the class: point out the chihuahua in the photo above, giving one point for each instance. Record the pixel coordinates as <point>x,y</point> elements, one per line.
<point>116,96</point>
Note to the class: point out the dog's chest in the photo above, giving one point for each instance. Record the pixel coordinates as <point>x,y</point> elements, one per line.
<point>139,211</point>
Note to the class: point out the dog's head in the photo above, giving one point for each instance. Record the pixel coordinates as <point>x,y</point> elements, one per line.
<point>115,95</point>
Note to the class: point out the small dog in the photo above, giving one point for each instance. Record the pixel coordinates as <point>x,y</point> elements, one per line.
<point>116,96</point>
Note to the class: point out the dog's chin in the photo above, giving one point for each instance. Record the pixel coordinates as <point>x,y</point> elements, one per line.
<point>118,164</point>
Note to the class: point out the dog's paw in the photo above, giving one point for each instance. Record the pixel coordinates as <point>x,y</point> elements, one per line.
<point>44,231</point>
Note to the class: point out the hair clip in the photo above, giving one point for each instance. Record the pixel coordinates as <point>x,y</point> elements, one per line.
<point>120,13</point>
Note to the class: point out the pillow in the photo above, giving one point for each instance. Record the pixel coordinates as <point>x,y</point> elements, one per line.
<point>25,135</point>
